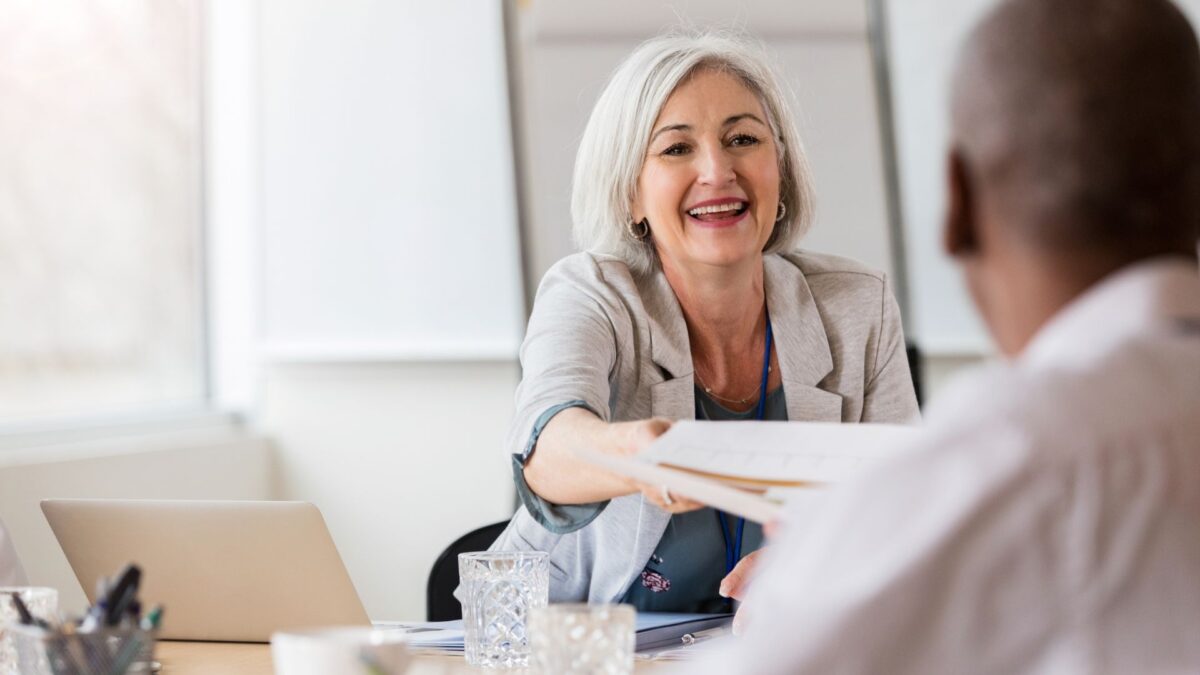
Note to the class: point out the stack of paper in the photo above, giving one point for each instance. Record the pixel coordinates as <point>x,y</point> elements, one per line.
<point>746,468</point>
<point>440,636</point>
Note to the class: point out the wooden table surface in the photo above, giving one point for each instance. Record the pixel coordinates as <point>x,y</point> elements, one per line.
<point>231,658</point>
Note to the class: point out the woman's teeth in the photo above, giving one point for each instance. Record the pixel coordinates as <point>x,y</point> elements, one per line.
<point>716,208</point>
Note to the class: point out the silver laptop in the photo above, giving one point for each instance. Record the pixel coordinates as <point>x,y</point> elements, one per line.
<point>223,570</point>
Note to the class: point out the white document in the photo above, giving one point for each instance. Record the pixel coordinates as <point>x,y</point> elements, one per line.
<point>777,454</point>
<point>747,468</point>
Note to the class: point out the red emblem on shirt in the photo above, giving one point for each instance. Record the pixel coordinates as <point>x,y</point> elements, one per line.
<point>656,582</point>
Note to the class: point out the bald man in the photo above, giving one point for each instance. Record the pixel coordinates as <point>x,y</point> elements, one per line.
<point>1049,519</point>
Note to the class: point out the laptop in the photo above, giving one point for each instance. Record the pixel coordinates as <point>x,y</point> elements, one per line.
<point>233,571</point>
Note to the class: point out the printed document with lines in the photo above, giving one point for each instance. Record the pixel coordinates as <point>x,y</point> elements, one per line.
<point>748,468</point>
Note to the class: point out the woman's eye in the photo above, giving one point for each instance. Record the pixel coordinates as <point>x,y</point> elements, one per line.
<point>676,150</point>
<point>743,140</point>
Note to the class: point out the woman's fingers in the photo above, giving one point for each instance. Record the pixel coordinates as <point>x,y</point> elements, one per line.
<point>667,500</point>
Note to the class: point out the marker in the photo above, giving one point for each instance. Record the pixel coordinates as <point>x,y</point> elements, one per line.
<point>154,619</point>
<point>122,594</point>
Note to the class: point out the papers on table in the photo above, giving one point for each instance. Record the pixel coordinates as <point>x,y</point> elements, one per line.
<point>655,631</point>
<point>440,636</point>
<point>746,468</point>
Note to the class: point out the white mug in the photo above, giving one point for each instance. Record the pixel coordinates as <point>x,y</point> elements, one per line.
<point>339,651</point>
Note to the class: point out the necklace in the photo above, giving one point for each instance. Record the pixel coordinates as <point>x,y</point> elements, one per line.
<point>736,401</point>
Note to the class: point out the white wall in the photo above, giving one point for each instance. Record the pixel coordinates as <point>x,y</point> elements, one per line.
<point>401,458</point>
<point>203,465</point>
<point>388,210</point>
<point>389,275</point>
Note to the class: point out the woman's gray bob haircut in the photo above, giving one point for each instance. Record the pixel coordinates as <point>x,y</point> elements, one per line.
<point>614,143</point>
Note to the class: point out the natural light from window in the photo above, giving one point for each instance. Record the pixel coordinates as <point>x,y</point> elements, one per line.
<point>101,302</point>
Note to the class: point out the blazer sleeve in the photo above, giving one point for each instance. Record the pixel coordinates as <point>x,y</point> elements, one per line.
<point>889,395</point>
<point>567,359</point>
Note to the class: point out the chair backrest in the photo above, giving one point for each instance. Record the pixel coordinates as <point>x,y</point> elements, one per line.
<point>440,603</point>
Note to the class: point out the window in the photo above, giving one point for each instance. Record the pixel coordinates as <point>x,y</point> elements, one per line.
<point>101,258</point>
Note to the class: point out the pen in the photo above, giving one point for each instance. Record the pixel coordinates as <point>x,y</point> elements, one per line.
<point>122,594</point>
<point>702,635</point>
<point>26,617</point>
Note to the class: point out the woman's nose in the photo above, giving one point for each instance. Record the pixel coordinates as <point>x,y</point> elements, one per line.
<point>716,166</point>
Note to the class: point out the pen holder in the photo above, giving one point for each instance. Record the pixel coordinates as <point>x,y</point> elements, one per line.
<point>106,652</point>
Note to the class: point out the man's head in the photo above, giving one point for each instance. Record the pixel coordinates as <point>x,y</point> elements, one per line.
<point>1075,151</point>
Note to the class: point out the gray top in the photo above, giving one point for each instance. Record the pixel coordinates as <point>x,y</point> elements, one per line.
<point>617,343</point>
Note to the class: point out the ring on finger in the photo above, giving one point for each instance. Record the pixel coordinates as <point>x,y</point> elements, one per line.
<point>666,496</point>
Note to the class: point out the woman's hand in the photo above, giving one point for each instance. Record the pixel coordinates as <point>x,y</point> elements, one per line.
<point>640,435</point>
<point>666,500</point>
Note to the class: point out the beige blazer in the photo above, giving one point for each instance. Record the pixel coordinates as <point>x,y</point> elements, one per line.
<point>618,343</point>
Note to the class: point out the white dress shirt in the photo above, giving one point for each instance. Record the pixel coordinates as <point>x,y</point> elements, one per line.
<point>11,572</point>
<point>1047,522</point>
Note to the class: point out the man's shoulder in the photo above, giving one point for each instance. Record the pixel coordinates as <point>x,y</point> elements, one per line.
<point>1057,418</point>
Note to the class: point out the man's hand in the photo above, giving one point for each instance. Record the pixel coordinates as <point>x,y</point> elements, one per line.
<point>736,583</point>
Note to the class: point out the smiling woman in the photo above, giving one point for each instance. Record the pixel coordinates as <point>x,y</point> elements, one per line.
<point>690,301</point>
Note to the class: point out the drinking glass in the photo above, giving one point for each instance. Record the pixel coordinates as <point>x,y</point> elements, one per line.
<point>499,588</point>
<point>42,603</point>
<point>578,639</point>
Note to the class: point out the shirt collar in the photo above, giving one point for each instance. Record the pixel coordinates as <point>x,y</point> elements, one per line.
<point>1126,302</point>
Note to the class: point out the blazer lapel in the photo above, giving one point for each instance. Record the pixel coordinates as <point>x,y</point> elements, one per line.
<point>800,343</point>
<point>674,397</point>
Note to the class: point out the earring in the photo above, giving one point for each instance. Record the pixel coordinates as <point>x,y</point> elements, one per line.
<point>639,230</point>
<point>782,212</point>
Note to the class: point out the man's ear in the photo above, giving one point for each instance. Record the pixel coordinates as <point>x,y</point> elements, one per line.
<point>960,231</point>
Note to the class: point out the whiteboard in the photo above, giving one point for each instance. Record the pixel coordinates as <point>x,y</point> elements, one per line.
<point>388,211</point>
<point>924,36</point>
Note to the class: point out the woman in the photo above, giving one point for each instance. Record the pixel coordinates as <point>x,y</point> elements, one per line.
<point>691,189</point>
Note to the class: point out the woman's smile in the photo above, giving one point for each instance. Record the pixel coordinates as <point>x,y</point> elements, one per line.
<point>716,213</point>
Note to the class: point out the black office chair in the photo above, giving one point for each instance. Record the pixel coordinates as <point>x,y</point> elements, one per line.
<point>440,603</point>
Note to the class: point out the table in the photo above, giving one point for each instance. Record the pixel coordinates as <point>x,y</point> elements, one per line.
<point>234,658</point>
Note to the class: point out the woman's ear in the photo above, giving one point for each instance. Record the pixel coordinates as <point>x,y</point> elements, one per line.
<point>960,231</point>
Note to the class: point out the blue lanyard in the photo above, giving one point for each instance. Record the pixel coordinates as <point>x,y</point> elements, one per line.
<point>733,546</point>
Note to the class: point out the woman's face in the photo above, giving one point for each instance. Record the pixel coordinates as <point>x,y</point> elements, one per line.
<point>709,186</point>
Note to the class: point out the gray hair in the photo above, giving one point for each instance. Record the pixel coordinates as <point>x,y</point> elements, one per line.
<point>613,147</point>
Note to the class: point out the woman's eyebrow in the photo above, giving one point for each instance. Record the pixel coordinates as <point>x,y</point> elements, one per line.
<point>744,116</point>
<point>729,121</point>
<point>672,127</point>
